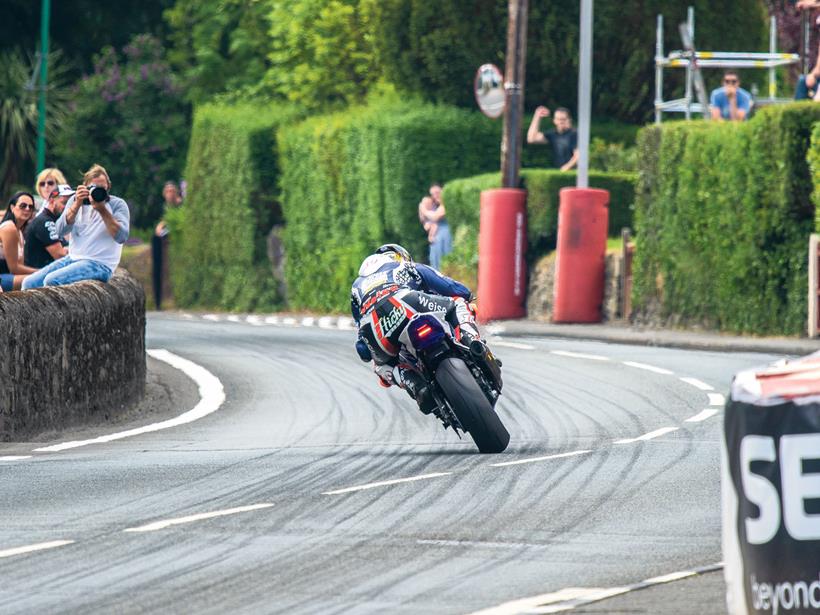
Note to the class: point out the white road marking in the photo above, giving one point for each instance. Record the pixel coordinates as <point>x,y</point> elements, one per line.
<point>15,457</point>
<point>698,384</point>
<point>308,321</point>
<point>572,597</point>
<point>212,317</point>
<point>495,329</point>
<point>384,483</point>
<point>161,525</point>
<point>345,324</point>
<point>534,459</point>
<point>648,436</point>
<point>579,355</point>
<point>649,368</point>
<point>716,399</point>
<point>512,345</point>
<point>272,320</point>
<point>211,393</point>
<point>702,416</point>
<point>38,547</point>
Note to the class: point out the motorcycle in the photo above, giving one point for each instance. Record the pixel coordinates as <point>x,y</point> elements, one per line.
<point>464,381</point>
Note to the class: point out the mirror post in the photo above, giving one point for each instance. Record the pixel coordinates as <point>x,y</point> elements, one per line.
<point>584,88</point>
<point>514,88</point>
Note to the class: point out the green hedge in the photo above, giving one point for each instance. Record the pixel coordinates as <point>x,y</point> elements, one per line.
<point>353,180</point>
<point>462,197</point>
<point>814,166</point>
<point>218,237</point>
<point>723,212</point>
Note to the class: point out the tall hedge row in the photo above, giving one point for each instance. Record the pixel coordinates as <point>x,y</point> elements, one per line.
<point>218,237</point>
<point>353,180</point>
<point>723,212</point>
<point>462,197</point>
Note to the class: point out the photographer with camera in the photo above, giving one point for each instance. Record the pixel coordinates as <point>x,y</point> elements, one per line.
<point>99,224</point>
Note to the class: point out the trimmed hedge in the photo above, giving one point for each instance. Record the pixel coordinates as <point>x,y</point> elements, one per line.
<point>353,180</point>
<point>462,199</point>
<point>218,237</point>
<point>814,165</point>
<point>723,211</point>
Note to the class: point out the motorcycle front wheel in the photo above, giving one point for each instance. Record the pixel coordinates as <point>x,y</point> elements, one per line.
<point>471,406</point>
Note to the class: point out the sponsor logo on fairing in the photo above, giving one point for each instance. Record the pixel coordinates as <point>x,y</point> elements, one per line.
<point>391,321</point>
<point>430,304</point>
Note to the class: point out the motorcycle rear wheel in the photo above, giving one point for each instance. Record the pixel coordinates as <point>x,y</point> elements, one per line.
<point>471,406</point>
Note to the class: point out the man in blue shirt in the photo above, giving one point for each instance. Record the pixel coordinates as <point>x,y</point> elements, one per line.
<point>731,102</point>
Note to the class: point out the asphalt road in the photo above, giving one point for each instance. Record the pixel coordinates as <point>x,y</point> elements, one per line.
<point>616,486</point>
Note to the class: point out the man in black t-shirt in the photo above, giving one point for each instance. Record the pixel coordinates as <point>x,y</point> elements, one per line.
<point>43,244</point>
<point>563,140</point>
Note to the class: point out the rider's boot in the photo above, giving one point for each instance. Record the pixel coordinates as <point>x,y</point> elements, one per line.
<point>418,389</point>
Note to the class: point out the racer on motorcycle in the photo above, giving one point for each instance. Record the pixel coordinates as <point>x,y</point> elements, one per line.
<point>390,274</point>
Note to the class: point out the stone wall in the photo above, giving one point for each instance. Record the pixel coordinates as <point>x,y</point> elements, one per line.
<point>542,279</point>
<point>70,354</point>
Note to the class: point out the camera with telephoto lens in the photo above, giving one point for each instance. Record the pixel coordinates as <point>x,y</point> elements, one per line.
<point>98,194</point>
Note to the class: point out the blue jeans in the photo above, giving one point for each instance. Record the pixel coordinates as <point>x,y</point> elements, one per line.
<point>66,271</point>
<point>7,282</point>
<point>442,245</point>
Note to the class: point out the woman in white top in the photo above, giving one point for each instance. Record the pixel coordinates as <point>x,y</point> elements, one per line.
<point>12,227</point>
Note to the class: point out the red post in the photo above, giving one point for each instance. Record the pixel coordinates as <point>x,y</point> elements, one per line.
<point>583,218</point>
<point>502,246</point>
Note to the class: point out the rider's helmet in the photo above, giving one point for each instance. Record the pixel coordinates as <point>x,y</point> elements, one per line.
<point>395,251</point>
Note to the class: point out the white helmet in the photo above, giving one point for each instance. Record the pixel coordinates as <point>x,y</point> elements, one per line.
<point>373,263</point>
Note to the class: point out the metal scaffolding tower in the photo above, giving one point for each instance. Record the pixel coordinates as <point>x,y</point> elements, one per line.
<point>693,61</point>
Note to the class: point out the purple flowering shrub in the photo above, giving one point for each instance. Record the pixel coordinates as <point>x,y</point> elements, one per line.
<point>130,115</point>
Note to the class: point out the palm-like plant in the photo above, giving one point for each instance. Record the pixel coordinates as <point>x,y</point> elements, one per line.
<point>18,113</point>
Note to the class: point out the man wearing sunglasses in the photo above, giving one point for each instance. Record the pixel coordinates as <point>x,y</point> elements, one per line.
<point>730,102</point>
<point>43,243</point>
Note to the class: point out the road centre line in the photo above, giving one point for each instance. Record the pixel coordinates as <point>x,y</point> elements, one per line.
<point>703,415</point>
<point>385,483</point>
<point>648,436</point>
<point>211,392</point>
<point>42,546</point>
<point>535,459</point>
<point>161,525</point>
<point>716,399</point>
<point>14,457</point>
<point>698,384</point>
<point>649,368</point>
<point>579,355</point>
<point>572,597</point>
<point>511,345</point>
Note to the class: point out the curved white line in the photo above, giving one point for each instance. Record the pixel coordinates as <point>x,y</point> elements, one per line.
<point>211,392</point>
<point>698,384</point>
<point>649,368</point>
<point>702,416</point>
<point>38,547</point>
<point>161,525</point>
<point>579,355</point>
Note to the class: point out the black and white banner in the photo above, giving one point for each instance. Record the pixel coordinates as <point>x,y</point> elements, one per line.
<point>771,490</point>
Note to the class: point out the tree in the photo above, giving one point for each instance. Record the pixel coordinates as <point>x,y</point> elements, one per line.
<point>219,46</point>
<point>321,51</point>
<point>129,116</point>
<point>18,114</point>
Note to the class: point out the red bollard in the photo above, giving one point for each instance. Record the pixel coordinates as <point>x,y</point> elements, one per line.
<point>502,246</point>
<point>583,218</point>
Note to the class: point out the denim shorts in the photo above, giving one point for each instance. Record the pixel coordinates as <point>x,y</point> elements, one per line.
<point>7,282</point>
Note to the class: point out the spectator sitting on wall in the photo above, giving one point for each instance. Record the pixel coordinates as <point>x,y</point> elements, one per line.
<point>730,102</point>
<point>12,240</point>
<point>563,140</point>
<point>46,181</point>
<point>99,223</point>
<point>432,217</point>
<point>43,243</point>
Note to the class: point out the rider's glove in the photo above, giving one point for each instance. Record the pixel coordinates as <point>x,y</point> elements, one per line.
<point>363,350</point>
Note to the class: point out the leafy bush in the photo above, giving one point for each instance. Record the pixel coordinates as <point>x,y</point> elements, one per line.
<point>723,212</point>
<point>128,116</point>
<point>218,237</point>
<point>353,180</point>
<point>814,166</point>
<point>462,197</point>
